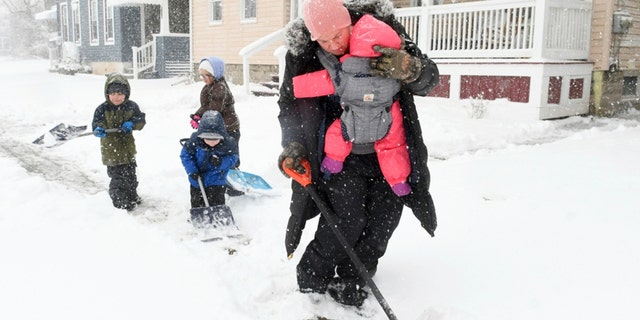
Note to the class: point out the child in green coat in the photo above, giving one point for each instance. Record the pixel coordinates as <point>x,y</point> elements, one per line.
<point>119,148</point>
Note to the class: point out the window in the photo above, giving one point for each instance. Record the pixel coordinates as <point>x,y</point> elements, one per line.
<point>108,22</point>
<point>576,88</point>
<point>629,86</point>
<point>93,21</point>
<point>215,11</point>
<point>64,22</point>
<point>248,9</point>
<point>554,90</point>
<point>75,16</point>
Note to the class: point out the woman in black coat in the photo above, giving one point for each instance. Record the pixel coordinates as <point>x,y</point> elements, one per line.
<point>366,208</point>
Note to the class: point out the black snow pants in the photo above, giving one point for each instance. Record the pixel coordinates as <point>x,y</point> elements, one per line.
<point>367,213</point>
<point>123,185</point>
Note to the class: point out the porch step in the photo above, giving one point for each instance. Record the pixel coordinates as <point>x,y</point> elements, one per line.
<point>270,85</point>
<point>177,68</point>
<point>268,88</point>
<point>264,93</point>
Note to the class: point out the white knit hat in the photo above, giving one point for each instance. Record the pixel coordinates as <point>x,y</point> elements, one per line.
<point>206,66</point>
<point>213,65</point>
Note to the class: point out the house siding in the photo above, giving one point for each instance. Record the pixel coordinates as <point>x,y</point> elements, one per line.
<point>630,42</point>
<point>601,34</point>
<point>171,50</point>
<point>227,38</point>
<point>106,58</point>
<point>128,30</point>
<point>615,57</point>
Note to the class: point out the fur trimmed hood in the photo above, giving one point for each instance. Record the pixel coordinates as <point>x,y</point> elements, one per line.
<point>297,36</point>
<point>116,78</point>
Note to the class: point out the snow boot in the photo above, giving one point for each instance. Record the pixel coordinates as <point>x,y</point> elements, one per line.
<point>233,192</point>
<point>347,292</point>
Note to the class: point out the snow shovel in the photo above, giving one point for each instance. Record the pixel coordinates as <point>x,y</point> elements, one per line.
<point>304,179</point>
<point>62,133</point>
<point>249,183</point>
<point>218,216</point>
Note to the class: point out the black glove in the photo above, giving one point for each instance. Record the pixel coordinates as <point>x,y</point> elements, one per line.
<point>292,155</point>
<point>194,176</point>
<point>423,208</point>
<point>396,64</point>
<point>215,160</point>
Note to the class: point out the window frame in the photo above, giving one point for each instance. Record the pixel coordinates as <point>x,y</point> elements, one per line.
<point>252,7</point>
<point>630,86</point>
<point>64,21</point>
<point>215,10</point>
<point>94,25</point>
<point>76,22</point>
<point>109,31</point>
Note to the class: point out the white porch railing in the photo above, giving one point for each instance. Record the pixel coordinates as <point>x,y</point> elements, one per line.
<point>542,29</point>
<point>144,58</point>
<point>255,47</point>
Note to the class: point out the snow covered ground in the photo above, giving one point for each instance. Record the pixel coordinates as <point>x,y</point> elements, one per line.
<point>537,219</point>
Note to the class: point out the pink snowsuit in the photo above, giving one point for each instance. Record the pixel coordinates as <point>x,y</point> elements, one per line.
<point>391,148</point>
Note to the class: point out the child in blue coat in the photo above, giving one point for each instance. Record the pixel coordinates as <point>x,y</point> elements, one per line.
<point>209,154</point>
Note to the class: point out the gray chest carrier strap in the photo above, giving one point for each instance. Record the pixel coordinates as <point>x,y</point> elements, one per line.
<point>366,99</point>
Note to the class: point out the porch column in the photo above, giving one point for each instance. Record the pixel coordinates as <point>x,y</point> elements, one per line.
<point>164,21</point>
<point>540,29</point>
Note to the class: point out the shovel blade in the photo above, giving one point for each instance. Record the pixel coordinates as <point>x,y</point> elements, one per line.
<point>60,133</point>
<point>218,217</point>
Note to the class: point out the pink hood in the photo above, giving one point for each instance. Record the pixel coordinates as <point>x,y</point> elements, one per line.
<point>369,32</point>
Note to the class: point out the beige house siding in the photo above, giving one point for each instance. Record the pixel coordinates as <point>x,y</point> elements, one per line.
<point>605,44</point>
<point>601,34</point>
<point>227,38</point>
<point>629,55</point>
<point>609,94</point>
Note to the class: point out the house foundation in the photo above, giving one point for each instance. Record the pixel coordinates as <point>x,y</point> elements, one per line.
<point>556,89</point>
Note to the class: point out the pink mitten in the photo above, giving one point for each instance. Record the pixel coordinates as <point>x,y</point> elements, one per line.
<point>195,121</point>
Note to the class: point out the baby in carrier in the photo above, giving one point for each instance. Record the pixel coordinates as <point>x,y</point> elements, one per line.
<point>371,120</point>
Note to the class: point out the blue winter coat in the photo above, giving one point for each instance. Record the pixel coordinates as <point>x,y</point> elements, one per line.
<point>196,155</point>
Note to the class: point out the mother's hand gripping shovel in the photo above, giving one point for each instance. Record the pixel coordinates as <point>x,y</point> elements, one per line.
<point>211,216</point>
<point>304,179</point>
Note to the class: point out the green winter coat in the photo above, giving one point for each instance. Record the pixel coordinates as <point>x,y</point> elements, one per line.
<point>118,148</point>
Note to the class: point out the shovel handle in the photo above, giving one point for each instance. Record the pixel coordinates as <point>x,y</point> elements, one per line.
<point>204,193</point>
<point>93,132</point>
<point>303,179</point>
